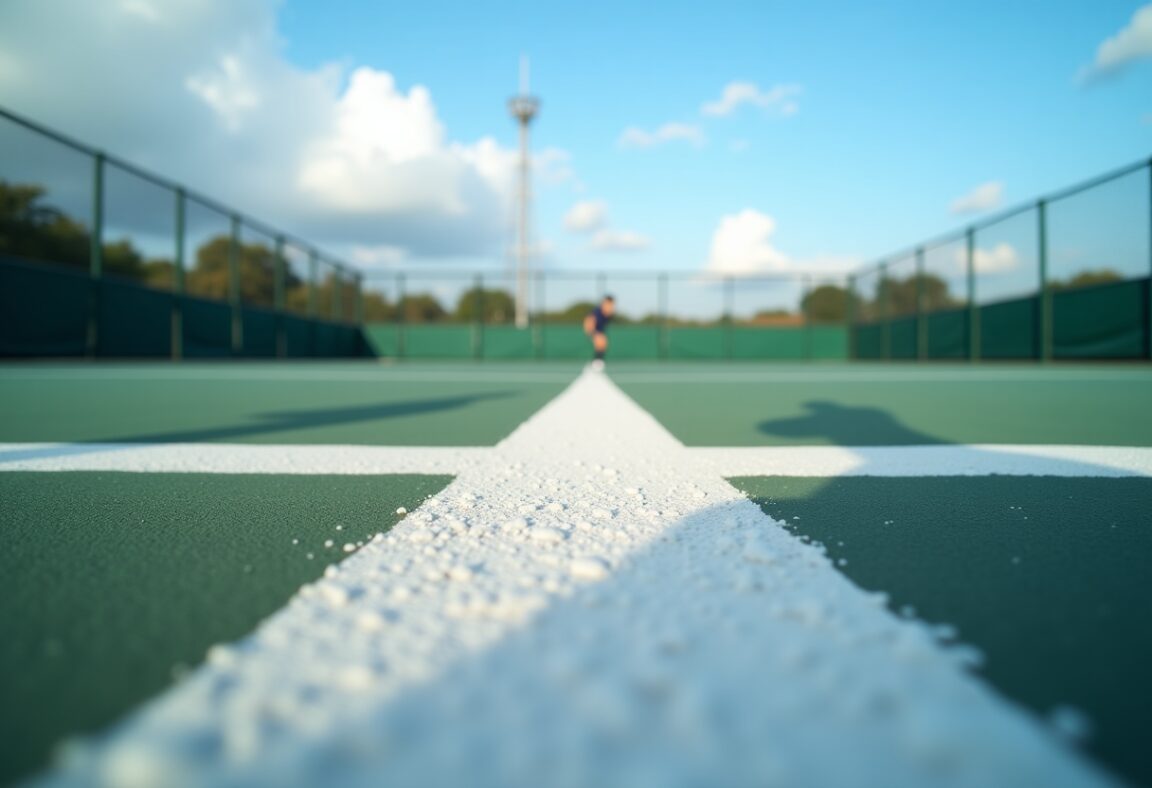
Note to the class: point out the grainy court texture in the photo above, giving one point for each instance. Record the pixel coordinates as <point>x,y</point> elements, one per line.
<point>533,575</point>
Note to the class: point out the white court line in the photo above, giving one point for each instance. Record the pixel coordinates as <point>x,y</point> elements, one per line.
<point>380,375</point>
<point>239,458</point>
<point>591,607</point>
<point>971,460</point>
<point>822,461</point>
<point>761,376</point>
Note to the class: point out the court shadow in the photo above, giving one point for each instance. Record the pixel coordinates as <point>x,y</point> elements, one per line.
<point>263,423</point>
<point>848,425</point>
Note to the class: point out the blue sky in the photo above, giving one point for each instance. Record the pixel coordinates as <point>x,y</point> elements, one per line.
<point>905,105</point>
<point>380,129</point>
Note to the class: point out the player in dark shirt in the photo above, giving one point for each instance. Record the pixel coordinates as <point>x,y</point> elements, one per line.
<point>595,325</point>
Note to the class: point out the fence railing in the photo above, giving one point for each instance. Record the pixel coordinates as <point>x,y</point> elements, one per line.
<point>68,204</point>
<point>660,314</point>
<point>1066,276</point>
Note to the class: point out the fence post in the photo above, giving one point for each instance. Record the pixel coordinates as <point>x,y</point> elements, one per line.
<point>95,257</point>
<point>234,287</point>
<point>921,318</point>
<point>360,299</point>
<point>478,320</point>
<point>1045,327</point>
<point>1149,307</point>
<point>885,313</point>
<point>278,298</point>
<point>850,317</point>
<point>178,284</point>
<point>337,305</point>
<point>400,316</point>
<point>313,300</point>
<point>541,292</point>
<point>806,289</point>
<point>729,297</point>
<point>973,309</point>
<point>662,316</point>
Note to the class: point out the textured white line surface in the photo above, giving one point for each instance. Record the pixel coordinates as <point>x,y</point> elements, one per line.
<point>588,609</point>
<point>238,458</point>
<point>821,461</point>
<point>299,374</point>
<point>977,460</point>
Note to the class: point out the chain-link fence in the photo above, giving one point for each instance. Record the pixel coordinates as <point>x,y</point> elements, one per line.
<point>102,258</point>
<point>1067,276</point>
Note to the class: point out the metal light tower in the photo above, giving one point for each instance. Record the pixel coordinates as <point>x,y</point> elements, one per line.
<point>523,108</point>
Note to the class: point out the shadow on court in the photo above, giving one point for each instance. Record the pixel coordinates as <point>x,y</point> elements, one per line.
<point>266,423</point>
<point>847,425</point>
<point>1042,573</point>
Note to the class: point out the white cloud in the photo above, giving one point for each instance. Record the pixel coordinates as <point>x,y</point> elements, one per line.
<point>201,92</point>
<point>780,99</point>
<point>1132,43</point>
<point>670,132</point>
<point>609,240</point>
<point>739,146</point>
<point>586,216</point>
<point>1000,258</point>
<point>742,246</point>
<point>984,197</point>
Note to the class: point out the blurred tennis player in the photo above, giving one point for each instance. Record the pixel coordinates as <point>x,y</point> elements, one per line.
<point>595,325</point>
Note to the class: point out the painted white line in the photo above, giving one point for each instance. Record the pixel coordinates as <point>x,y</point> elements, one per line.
<point>975,460</point>
<point>856,375</point>
<point>340,460</point>
<point>589,608</point>
<point>374,375</point>
<point>238,458</point>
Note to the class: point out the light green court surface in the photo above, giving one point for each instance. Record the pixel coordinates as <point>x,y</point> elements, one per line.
<point>264,403</point>
<point>1046,576</point>
<point>113,580</point>
<point>890,405</point>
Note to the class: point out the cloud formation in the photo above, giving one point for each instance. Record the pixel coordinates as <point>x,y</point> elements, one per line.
<point>590,217</point>
<point>585,216</point>
<point>985,197</point>
<point>995,260</point>
<point>634,137</point>
<point>779,99</point>
<point>201,91</point>
<point>1132,43</point>
<point>742,246</point>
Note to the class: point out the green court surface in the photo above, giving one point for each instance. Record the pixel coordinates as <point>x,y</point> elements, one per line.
<point>894,405</point>
<point>265,403</point>
<point>1046,576</point>
<point>114,582</point>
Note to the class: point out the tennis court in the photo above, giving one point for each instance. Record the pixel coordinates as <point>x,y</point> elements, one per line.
<point>424,572</point>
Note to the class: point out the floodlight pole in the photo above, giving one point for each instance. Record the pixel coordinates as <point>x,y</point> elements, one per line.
<point>523,108</point>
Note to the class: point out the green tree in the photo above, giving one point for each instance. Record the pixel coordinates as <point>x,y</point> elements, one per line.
<point>421,308</point>
<point>492,306</point>
<point>31,228</point>
<point>826,304</point>
<point>211,273</point>
<point>901,294</point>
<point>1098,276</point>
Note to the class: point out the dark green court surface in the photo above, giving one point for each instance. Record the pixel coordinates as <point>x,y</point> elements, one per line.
<point>875,405</point>
<point>1047,576</point>
<point>468,405</point>
<point>112,581</point>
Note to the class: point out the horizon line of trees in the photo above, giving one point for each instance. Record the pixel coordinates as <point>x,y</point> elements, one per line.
<point>30,228</point>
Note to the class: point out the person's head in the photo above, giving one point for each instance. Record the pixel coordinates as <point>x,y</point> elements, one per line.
<point>608,305</point>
